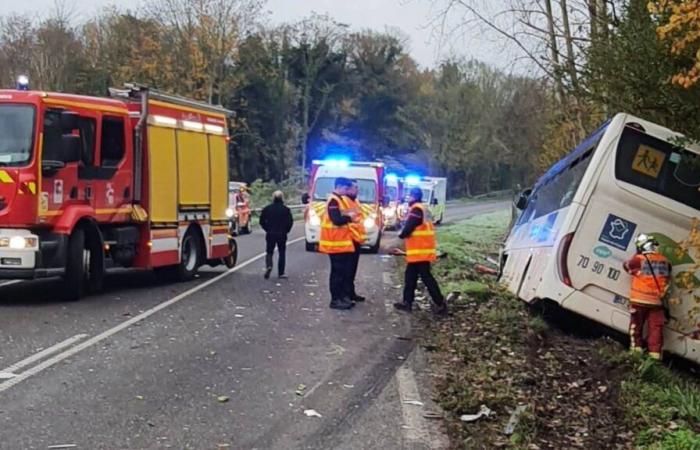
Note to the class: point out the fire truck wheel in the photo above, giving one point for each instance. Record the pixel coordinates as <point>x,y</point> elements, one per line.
<point>191,256</point>
<point>232,258</point>
<point>84,265</point>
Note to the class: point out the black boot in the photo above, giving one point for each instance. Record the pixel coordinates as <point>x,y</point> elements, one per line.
<point>440,309</point>
<point>268,271</point>
<point>401,306</point>
<point>341,304</point>
<point>358,298</point>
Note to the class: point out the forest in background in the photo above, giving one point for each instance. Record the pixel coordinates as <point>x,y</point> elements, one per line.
<point>316,87</point>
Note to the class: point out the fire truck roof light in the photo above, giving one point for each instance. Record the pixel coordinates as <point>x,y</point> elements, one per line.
<point>23,83</point>
<point>412,180</point>
<point>190,125</point>
<point>339,163</point>
<point>163,120</point>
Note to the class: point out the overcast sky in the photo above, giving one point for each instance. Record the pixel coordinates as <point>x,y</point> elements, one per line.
<point>412,17</point>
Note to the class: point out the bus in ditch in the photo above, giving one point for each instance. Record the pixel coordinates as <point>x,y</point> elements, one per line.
<point>581,218</point>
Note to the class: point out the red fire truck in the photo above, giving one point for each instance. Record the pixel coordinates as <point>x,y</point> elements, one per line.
<point>137,180</point>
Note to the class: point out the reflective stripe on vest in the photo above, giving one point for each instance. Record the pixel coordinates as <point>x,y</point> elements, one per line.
<point>334,239</point>
<point>357,228</point>
<point>421,245</point>
<point>644,288</point>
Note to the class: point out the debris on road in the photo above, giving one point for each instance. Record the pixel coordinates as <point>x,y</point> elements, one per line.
<point>222,399</point>
<point>62,446</point>
<point>413,402</point>
<point>433,415</point>
<point>480,268</point>
<point>238,316</point>
<point>484,411</point>
<point>514,420</point>
<point>312,413</point>
<point>300,390</point>
<point>139,397</point>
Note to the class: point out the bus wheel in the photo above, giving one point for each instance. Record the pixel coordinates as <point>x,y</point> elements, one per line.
<point>190,256</point>
<point>232,258</point>
<point>84,266</point>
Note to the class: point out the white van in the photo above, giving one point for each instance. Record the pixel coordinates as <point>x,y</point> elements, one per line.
<point>581,218</point>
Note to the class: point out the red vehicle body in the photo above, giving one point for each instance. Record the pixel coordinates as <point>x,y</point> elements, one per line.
<point>89,183</point>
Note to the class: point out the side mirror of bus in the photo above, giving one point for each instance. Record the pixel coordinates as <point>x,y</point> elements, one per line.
<point>305,198</point>
<point>521,202</point>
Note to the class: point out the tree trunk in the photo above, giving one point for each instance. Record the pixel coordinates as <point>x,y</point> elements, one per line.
<point>593,17</point>
<point>305,107</point>
<point>570,57</point>
<point>554,52</point>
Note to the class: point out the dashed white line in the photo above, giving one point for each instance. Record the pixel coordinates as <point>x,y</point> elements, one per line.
<point>126,324</point>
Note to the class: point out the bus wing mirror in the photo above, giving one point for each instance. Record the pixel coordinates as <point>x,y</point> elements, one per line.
<point>524,196</point>
<point>305,198</point>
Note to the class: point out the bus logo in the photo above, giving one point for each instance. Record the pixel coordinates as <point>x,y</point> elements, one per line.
<point>617,232</point>
<point>602,252</point>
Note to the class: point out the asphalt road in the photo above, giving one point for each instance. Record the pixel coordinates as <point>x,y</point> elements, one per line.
<point>229,360</point>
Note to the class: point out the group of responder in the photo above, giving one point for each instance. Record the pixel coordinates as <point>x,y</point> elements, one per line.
<point>343,234</point>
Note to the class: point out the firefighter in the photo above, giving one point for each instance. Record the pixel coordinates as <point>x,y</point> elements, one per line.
<point>359,234</point>
<point>337,242</point>
<point>421,250</point>
<point>651,275</point>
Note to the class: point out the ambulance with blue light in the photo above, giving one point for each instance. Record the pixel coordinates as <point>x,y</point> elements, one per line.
<point>434,196</point>
<point>393,190</point>
<point>370,179</point>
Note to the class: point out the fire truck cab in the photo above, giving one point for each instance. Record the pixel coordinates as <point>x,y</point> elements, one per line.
<point>86,183</point>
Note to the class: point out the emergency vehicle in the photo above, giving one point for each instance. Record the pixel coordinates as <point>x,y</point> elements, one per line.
<point>370,179</point>
<point>434,196</point>
<point>580,220</point>
<point>393,189</point>
<point>239,212</point>
<point>86,183</point>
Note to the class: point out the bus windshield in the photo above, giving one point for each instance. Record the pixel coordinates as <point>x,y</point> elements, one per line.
<point>368,189</point>
<point>16,134</point>
<point>658,166</point>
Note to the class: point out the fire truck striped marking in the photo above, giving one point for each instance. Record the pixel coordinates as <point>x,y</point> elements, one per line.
<point>5,177</point>
<point>164,245</point>
<point>91,106</point>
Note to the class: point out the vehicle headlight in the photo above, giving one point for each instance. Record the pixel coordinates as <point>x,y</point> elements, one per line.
<point>19,242</point>
<point>370,223</point>
<point>230,212</point>
<point>314,220</point>
<point>390,213</point>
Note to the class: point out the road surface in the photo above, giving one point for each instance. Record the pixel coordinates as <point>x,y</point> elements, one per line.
<point>229,360</point>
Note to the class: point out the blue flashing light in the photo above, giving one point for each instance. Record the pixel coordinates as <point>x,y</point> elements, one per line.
<point>338,163</point>
<point>23,83</point>
<point>392,177</point>
<point>412,180</point>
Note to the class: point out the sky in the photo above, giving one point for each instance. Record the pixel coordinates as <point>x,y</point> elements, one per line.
<point>412,17</point>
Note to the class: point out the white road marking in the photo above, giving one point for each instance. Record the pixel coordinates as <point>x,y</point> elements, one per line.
<point>43,354</point>
<point>122,326</point>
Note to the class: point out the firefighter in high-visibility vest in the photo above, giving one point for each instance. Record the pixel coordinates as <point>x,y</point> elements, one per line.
<point>337,242</point>
<point>651,276</point>
<point>421,251</point>
<point>358,231</point>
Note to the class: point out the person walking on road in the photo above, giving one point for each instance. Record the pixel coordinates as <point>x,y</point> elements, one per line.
<point>421,251</point>
<point>651,276</point>
<point>276,219</point>
<point>359,234</point>
<point>337,242</point>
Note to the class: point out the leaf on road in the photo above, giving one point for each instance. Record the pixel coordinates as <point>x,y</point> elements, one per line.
<point>222,399</point>
<point>413,402</point>
<point>312,413</point>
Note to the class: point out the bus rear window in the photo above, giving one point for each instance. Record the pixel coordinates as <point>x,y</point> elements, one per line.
<point>658,166</point>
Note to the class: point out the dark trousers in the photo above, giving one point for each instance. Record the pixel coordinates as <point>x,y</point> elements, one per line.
<point>280,241</point>
<point>341,275</point>
<point>355,265</point>
<point>422,270</point>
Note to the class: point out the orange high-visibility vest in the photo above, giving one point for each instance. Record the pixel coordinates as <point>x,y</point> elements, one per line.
<point>335,239</point>
<point>357,227</point>
<point>421,245</point>
<point>645,290</point>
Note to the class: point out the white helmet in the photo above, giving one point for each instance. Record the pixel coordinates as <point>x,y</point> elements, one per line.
<point>646,243</point>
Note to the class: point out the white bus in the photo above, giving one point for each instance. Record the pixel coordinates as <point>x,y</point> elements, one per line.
<point>581,218</point>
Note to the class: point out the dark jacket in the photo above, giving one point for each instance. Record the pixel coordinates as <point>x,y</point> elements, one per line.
<point>276,219</point>
<point>414,220</point>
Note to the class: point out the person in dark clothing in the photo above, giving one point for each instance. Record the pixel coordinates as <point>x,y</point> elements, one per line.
<point>353,192</point>
<point>421,251</point>
<point>336,242</point>
<point>276,219</point>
